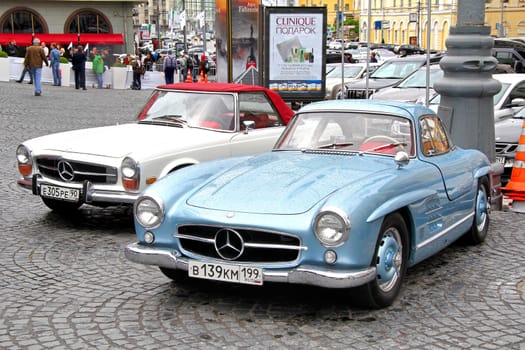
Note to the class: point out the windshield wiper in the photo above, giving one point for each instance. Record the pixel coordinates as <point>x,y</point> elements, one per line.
<point>386,145</point>
<point>336,144</point>
<point>171,117</point>
<point>166,120</point>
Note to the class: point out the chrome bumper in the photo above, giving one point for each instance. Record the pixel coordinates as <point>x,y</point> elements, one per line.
<point>88,193</point>
<point>314,276</point>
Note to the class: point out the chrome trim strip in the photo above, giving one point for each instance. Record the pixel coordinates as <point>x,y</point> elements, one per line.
<point>251,245</point>
<point>310,275</point>
<point>194,238</point>
<point>444,232</point>
<point>275,246</point>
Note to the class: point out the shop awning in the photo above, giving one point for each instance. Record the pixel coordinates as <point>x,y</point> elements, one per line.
<point>25,39</point>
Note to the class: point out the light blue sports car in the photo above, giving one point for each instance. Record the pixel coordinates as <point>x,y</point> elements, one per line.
<point>354,192</point>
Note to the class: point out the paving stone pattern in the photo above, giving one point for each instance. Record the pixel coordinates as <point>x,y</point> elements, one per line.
<point>65,283</point>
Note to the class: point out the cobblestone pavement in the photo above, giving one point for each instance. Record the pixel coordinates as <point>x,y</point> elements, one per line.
<point>65,283</point>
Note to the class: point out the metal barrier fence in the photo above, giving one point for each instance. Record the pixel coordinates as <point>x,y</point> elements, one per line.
<point>212,73</point>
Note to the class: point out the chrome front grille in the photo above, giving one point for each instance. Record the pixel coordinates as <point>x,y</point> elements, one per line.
<point>506,148</point>
<point>254,245</point>
<point>79,171</point>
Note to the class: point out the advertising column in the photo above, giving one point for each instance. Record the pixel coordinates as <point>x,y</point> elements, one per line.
<point>295,52</point>
<point>237,30</point>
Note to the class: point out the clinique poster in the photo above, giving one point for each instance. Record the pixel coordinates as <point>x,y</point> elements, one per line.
<point>295,50</point>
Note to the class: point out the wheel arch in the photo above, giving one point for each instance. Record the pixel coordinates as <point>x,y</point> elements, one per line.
<point>176,165</point>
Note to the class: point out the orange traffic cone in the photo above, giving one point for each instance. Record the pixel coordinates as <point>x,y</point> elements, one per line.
<point>189,78</point>
<point>515,188</point>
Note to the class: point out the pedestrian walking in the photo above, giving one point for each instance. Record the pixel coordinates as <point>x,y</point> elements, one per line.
<point>79,67</point>
<point>33,62</point>
<point>169,66</point>
<point>98,68</point>
<point>54,57</point>
<point>23,74</point>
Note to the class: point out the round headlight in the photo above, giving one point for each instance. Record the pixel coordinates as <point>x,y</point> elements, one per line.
<point>129,168</point>
<point>22,155</point>
<point>332,227</point>
<point>149,212</point>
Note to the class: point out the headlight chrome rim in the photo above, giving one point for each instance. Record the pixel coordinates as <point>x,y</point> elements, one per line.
<point>23,155</point>
<point>129,168</point>
<point>341,232</point>
<point>157,211</point>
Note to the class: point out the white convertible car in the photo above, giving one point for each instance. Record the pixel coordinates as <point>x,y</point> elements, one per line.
<point>182,124</point>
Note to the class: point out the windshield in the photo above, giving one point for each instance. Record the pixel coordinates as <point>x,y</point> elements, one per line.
<point>350,71</point>
<point>504,86</point>
<point>397,69</point>
<point>190,108</point>
<point>419,78</point>
<point>499,95</point>
<point>348,131</point>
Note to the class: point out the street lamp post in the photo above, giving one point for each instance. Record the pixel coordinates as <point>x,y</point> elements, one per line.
<point>158,26</point>
<point>501,26</point>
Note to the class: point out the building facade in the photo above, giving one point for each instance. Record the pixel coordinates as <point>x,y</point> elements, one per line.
<point>165,16</point>
<point>405,22</point>
<point>103,23</point>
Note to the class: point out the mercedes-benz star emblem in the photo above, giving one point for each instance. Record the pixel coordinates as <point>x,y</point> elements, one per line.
<point>65,171</point>
<point>229,244</point>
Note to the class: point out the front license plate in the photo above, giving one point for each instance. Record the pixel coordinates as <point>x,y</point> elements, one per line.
<point>500,160</point>
<point>225,272</point>
<point>62,193</point>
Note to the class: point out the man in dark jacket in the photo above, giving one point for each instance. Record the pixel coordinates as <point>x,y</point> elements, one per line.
<point>11,48</point>
<point>79,67</point>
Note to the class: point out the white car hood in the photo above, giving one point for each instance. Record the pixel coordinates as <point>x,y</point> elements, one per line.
<point>121,140</point>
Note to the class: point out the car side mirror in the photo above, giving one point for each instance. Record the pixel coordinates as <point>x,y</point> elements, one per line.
<point>516,102</point>
<point>248,125</point>
<point>401,158</point>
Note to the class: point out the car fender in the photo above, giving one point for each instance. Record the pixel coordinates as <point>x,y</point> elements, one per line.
<point>180,184</point>
<point>483,171</point>
<point>176,164</point>
<point>399,202</point>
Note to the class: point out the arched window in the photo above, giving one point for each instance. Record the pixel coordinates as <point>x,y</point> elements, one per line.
<point>22,20</point>
<point>88,21</point>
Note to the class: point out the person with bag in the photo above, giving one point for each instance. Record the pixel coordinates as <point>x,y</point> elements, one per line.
<point>169,67</point>
<point>138,70</point>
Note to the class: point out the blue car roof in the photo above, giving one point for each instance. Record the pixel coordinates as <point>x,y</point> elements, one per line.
<point>410,110</point>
